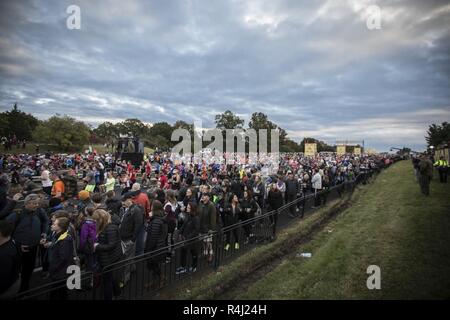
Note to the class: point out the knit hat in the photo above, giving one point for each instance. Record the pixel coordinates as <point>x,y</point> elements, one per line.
<point>83,195</point>
<point>31,197</point>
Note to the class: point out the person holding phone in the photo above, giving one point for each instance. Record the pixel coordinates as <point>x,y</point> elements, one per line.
<point>30,226</point>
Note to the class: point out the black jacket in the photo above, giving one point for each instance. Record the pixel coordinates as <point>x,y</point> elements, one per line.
<point>156,234</point>
<point>60,256</point>
<point>258,190</point>
<point>160,196</point>
<point>189,178</point>
<point>109,249</point>
<point>132,222</point>
<point>113,205</point>
<point>190,228</point>
<point>7,208</point>
<point>248,204</point>
<point>275,199</point>
<point>187,200</point>
<point>258,193</point>
<point>291,187</point>
<point>233,217</point>
<point>29,226</point>
<point>10,265</point>
<point>3,196</point>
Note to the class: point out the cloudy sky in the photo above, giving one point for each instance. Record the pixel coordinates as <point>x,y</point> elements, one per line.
<point>313,66</point>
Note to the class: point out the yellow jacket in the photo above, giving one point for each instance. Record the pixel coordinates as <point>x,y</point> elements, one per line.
<point>441,163</point>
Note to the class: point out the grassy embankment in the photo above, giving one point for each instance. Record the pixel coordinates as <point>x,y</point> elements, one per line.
<point>389,224</point>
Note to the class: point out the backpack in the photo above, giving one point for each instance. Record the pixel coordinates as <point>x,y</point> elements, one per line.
<point>70,186</point>
<point>88,247</point>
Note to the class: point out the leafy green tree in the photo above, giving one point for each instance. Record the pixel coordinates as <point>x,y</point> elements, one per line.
<point>180,124</point>
<point>66,132</point>
<point>134,127</point>
<point>260,121</point>
<point>162,129</point>
<point>4,124</point>
<point>19,123</point>
<point>107,131</point>
<point>438,134</point>
<point>228,120</point>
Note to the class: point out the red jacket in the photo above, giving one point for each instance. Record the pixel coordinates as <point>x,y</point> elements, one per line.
<point>163,180</point>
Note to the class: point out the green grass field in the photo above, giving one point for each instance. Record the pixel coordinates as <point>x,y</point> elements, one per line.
<point>391,225</point>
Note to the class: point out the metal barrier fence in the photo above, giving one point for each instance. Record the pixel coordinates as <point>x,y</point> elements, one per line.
<point>141,276</point>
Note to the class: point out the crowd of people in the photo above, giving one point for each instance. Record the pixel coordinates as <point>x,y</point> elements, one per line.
<point>8,142</point>
<point>94,211</point>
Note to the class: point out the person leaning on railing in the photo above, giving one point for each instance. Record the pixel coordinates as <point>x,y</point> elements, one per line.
<point>317,186</point>
<point>233,214</point>
<point>292,190</point>
<point>189,230</point>
<point>275,200</point>
<point>208,224</point>
<point>249,208</point>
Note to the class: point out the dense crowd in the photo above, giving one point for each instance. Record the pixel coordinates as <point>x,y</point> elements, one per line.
<point>8,142</point>
<point>94,211</point>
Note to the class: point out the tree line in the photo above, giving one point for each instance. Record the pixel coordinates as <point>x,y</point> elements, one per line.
<point>70,134</point>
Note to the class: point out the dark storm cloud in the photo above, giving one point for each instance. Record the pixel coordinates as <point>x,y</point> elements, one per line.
<point>312,66</point>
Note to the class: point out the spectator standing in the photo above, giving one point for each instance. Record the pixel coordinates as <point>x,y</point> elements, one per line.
<point>31,224</point>
<point>109,251</point>
<point>60,256</point>
<point>425,174</point>
<point>292,189</point>
<point>47,183</point>
<point>189,230</point>
<point>58,188</point>
<point>9,262</point>
<point>317,186</point>
<point>156,239</point>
